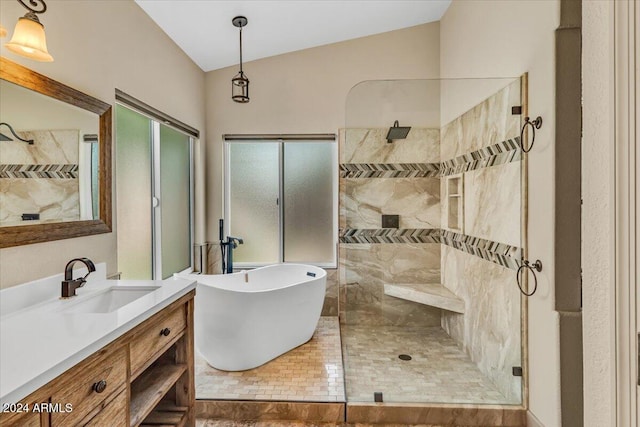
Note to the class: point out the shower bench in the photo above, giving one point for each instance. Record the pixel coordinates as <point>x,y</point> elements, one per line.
<point>433,294</point>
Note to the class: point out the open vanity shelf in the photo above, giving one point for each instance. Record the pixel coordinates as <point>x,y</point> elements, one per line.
<point>143,378</point>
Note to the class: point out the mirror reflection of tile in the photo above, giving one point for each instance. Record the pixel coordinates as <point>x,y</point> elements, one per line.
<point>40,180</point>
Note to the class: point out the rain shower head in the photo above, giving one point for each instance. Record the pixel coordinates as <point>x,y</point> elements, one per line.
<point>397,132</point>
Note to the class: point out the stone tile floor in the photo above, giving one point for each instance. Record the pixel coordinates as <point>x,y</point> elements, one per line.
<point>311,372</point>
<point>439,372</point>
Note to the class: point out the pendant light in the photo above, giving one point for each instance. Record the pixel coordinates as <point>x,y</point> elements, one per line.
<point>240,83</point>
<point>28,37</point>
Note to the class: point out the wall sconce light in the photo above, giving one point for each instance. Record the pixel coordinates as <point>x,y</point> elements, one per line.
<point>4,137</point>
<point>28,37</point>
<point>240,83</point>
<point>3,31</point>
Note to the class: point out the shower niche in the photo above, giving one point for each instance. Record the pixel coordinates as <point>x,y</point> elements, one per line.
<point>455,203</point>
<point>455,181</point>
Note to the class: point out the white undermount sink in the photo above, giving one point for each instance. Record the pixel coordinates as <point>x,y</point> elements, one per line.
<point>109,300</point>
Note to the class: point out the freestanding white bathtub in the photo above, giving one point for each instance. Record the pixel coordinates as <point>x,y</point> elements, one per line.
<point>245,319</point>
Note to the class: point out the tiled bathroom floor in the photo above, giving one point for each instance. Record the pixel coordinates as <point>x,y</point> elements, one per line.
<point>311,372</point>
<point>439,371</point>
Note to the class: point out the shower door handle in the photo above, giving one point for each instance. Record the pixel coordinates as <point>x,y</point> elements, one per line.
<point>155,202</point>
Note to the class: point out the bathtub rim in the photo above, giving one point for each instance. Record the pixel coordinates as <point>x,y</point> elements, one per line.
<point>198,276</point>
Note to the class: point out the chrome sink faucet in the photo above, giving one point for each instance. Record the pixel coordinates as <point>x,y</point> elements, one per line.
<point>69,285</point>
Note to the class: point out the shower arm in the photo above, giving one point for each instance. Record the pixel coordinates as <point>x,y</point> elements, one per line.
<point>15,135</point>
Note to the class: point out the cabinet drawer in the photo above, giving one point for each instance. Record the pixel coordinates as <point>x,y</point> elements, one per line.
<point>25,419</point>
<point>115,414</point>
<point>155,337</point>
<point>88,385</point>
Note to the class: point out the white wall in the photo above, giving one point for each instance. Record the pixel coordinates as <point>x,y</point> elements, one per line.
<point>306,91</point>
<point>98,46</point>
<point>506,39</point>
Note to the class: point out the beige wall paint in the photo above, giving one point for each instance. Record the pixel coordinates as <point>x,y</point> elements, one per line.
<point>506,39</point>
<point>306,91</point>
<point>598,213</point>
<point>98,46</point>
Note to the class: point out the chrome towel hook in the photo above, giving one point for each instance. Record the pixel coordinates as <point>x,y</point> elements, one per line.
<point>535,124</point>
<point>536,266</point>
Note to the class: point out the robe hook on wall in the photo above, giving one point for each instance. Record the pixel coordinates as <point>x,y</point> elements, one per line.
<point>526,265</point>
<point>535,124</point>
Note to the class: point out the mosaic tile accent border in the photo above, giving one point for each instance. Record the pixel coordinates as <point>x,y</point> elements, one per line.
<point>498,154</point>
<point>389,170</point>
<point>51,171</point>
<point>499,253</point>
<point>390,235</point>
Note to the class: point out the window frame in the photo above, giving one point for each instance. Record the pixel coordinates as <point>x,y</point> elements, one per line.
<point>281,140</point>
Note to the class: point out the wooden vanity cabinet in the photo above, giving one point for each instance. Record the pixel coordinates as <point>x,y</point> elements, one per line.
<point>143,378</point>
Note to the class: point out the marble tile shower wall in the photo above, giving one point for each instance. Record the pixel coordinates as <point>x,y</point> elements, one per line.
<point>41,178</point>
<point>479,262</point>
<point>400,178</point>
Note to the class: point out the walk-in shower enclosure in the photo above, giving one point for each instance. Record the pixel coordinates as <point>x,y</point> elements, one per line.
<point>430,241</point>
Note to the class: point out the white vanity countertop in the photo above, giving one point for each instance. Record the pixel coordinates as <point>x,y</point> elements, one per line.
<point>38,342</point>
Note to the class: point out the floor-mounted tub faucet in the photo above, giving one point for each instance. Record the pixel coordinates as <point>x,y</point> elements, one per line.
<point>231,244</point>
<point>69,285</point>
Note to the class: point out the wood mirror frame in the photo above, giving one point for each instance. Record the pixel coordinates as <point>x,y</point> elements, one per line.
<point>37,233</point>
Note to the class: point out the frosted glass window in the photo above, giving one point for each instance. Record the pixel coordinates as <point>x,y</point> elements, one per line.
<point>253,175</point>
<point>133,188</point>
<point>280,201</point>
<point>308,207</point>
<point>175,194</point>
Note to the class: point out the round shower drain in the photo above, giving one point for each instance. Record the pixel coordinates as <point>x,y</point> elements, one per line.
<point>404,357</point>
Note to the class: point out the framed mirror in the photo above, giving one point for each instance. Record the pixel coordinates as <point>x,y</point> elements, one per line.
<point>55,159</point>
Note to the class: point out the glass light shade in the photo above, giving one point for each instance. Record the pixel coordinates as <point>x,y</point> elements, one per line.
<point>3,31</point>
<point>240,88</point>
<point>29,40</point>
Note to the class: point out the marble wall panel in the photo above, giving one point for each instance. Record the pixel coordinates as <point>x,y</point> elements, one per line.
<point>416,200</point>
<point>364,268</point>
<point>422,145</point>
<point>40,178</point>
<point>214,258</point>
<point>489,330</point>
<point>54,199</point>
<point>492,203</point>
<point>487,123</point>
<point>49,147</point>
<point>330,307</point>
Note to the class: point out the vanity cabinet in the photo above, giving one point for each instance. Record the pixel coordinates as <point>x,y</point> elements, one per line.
<point>143,378</point>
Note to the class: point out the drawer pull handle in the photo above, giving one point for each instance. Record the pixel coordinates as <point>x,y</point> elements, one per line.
<point>165,332</point>
<point>100,386</point>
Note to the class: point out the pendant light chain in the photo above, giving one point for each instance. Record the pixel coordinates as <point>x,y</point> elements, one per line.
<point>240,50</point>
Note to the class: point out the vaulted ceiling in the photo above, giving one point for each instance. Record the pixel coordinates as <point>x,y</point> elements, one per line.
<point>203,28</point>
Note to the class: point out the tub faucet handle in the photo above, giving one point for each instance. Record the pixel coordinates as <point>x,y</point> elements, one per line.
<point>235,241</point>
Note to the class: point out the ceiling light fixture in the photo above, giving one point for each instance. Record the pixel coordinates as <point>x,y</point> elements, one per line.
<point>28,37</point>
<point>240,83</point>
